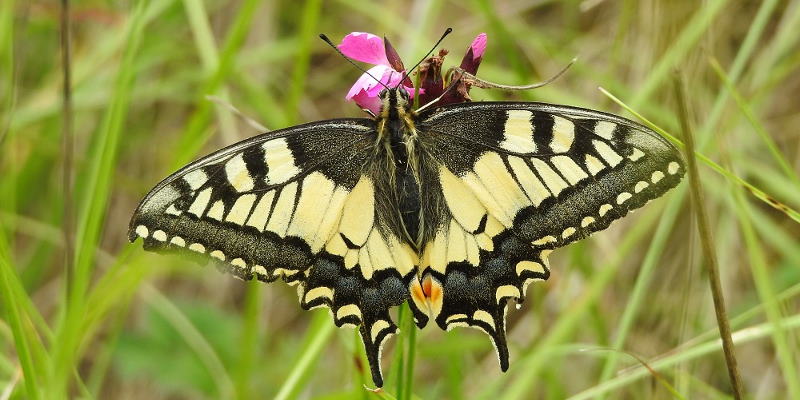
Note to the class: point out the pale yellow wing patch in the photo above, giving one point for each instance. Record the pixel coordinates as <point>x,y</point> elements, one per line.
<point>369,248</point>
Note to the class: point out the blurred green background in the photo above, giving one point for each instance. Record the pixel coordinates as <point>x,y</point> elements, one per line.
<point>138,325</point>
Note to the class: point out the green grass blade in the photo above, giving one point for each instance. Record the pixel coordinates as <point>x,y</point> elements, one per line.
<point>193,338</point>
<point>309,18</point>
<point>248,343</point>
<point>398,364</point>
<point>787,168</point>
<point>319,332</point>
<point>706,241</point>
<point>96,188</point>
<point>681,46</point>
<point>203,37</point>
<point>785,40</point>
<point>766,292</point>
<point>755,191</point>
<point>740,337</point>
<point>504,37</point>
<point>748,46</point>
<point>197,130</point>
<point>14,224</point>
<point>638,295</point>
<point>207,50</point>
<point>8,74</point>
<point>411,352</point>
<point>405,354</point>
<point>32,374</point>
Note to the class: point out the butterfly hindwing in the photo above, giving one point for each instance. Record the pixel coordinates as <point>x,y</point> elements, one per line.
<point>302,204</point>
<point>517,180</point>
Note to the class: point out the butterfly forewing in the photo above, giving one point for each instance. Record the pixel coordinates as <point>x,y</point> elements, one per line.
<point>518,180</point>
<point>238,203</point>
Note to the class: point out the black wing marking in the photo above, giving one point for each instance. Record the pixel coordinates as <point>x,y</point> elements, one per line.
<point>517,180</point>
<point>302,204</point>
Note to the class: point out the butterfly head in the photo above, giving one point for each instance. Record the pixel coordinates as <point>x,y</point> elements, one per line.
<point>395,102</point>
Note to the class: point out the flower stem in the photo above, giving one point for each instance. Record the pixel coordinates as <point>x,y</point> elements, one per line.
<point>706,241</point>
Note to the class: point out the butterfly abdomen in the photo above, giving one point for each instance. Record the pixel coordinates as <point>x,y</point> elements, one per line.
<point>395,125</point>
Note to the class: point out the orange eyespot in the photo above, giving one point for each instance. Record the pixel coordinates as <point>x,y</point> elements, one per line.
<point>418,295</point>
<point>426,285</point>
<point>427,295</point>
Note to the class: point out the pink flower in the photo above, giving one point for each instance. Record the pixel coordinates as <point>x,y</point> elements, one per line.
<point>472,59</point>
<point>368,48</point>
<point>389,70</point>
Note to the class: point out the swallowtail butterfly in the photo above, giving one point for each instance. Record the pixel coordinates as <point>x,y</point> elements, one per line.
<point>454,209</point>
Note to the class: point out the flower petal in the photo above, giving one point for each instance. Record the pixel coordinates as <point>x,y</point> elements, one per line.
<point>394,78</point>
<point>372,103</point>
<point>478,46</point>
<point>391,78</point>
<point>364,47</point>
<point>430,73</point>
<point>368,83</point>
<point>365,92</point>
<point>392,57</point>
<point>472,59</point>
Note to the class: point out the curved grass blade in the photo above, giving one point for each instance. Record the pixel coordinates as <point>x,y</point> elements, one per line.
<point>755,191</point>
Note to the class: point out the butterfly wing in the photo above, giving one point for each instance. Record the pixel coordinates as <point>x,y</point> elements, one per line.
<point>508,183</point>
<point>303,204</point>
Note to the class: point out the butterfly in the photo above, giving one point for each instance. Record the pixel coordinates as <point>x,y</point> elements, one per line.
<point>453,209</point>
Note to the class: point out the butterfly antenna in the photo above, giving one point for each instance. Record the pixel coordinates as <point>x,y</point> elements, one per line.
<point>405,75</point>
<point>328,41</point>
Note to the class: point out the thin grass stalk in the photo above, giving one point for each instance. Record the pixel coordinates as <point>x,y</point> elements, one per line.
<point>67,148</point>
<point>361,373</point>
<point>96,193</point>
<point>193,338</point>
<point>318,335</point>
<point>209,57</point>
<point>638,295</point>
<point>102,362</point>
<point>766,293</point>
<point>268,107</point>
<point>749,45</point>
<point>740,337</point>
<point>707,243</point>
<point>28,308</point>
<point>754,190</point>
<point>424,14</point>
<point>739,320</point>
<point>683,43</point>
<point>9,72</point>
<point>776,235</point>
<point>787,168</point>
<point>197,131</point>
<point>30,371</point>
<point>115,287</point>
<point>504,38</point>
<point>248,348</point>
<point>411,349</point>
<point>398,367</point>
<point>309,19</point>
<point>785,39</point>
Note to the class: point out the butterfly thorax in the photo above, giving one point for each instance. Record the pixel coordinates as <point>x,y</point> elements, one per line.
<point>397,132</point>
